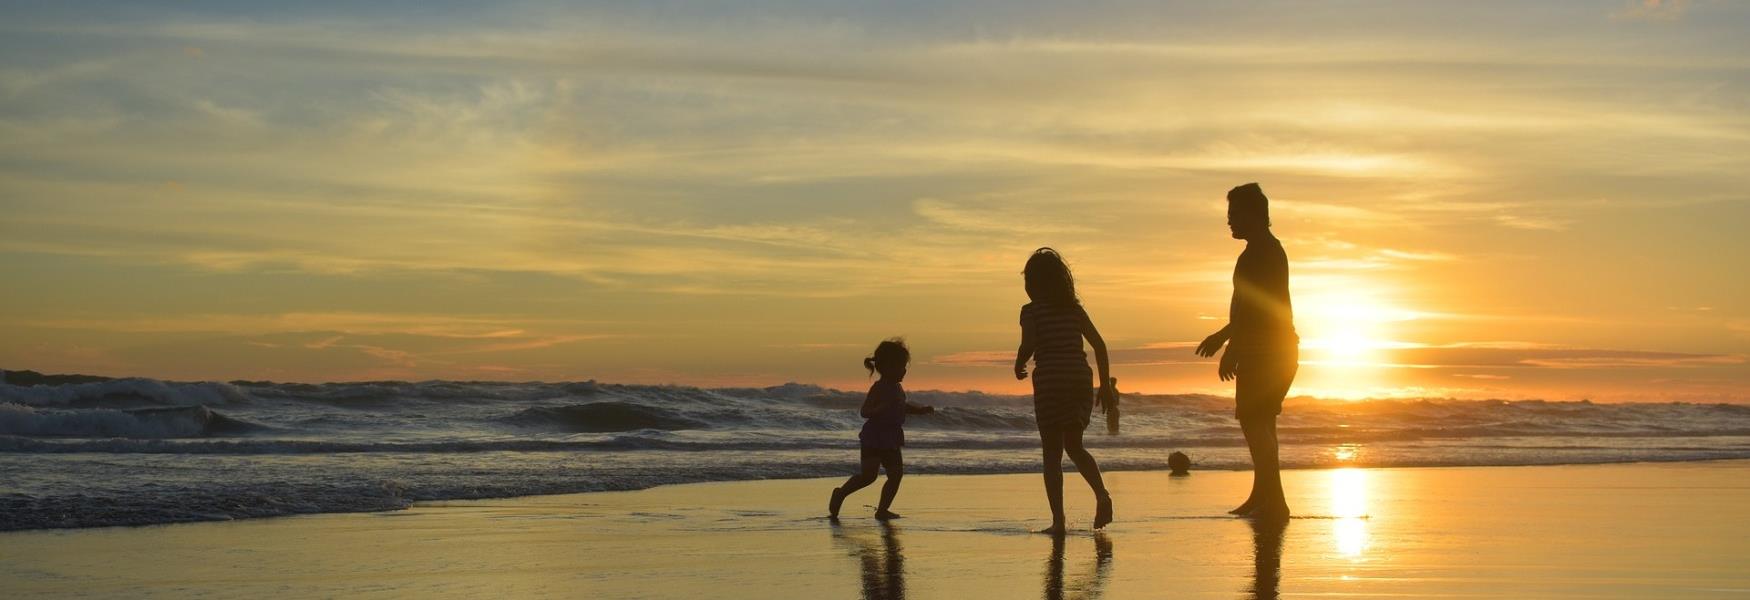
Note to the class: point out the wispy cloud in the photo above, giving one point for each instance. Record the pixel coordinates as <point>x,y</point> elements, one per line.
<point>524,161</point>
<point>1652,10</point>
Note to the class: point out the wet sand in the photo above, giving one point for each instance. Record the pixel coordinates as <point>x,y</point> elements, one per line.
<point>1675,530</point>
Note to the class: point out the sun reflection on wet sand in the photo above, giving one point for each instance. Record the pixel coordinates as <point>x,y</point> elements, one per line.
<point>1349,489</point>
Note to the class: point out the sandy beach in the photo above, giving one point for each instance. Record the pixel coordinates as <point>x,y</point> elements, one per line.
<point>1671,530</point>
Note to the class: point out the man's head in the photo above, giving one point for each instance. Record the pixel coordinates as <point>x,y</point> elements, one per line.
<point>1248,211</point>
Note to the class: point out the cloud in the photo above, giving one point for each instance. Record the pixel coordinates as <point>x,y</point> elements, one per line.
<point>1652,10</point>
<point>1165,353</point>
<point>1462,355</point>
<point>1533,223</point>
<point>759,168</point>
<point>1528,355</point>
<point>993,216</point>
<point>345,323</point>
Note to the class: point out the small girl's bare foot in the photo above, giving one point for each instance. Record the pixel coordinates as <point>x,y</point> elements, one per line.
<point>1055,529</point>
<point>886,515</point>
<point>838,499</point>
<point>1103,512</point>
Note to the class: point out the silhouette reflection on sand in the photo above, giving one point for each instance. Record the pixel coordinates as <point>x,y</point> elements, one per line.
<point>1088,585</point>
<point>882,560</point>
<point>1266,557</point>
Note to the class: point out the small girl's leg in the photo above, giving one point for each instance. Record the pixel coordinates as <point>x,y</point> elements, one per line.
<point>894,463</point>
<point>871,459</point>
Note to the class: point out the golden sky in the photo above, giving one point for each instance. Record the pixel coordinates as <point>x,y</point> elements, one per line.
<point>1477,199</point>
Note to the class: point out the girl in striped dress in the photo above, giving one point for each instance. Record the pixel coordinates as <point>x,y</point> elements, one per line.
<point>1052,328</point>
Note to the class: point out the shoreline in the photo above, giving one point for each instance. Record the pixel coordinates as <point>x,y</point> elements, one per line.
<point>912,470</point>
<point>1542,531</point>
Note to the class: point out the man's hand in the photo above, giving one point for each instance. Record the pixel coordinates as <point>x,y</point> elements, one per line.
<point>1229,366</point>
<point>1020,371</point>
<point>1211,344</point>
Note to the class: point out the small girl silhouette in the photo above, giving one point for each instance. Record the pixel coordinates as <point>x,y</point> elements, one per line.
<point>883,431</point>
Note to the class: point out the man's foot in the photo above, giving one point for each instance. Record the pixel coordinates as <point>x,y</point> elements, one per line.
<point>1103,512</point>
<point>886,515</point>
<point>1055,529</point>
<point>838,499</point>
<point>1244,508</point>
<point>1272,512</point>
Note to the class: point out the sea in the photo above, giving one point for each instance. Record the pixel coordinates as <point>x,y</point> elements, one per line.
<point>145,451</point>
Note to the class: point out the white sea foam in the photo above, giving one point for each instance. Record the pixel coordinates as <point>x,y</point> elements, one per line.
<point>169,451</point>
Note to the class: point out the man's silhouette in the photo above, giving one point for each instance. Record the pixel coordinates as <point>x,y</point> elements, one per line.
<point>1263,352</point>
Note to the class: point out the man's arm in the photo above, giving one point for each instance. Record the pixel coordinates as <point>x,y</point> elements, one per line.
<point>1214,342</point>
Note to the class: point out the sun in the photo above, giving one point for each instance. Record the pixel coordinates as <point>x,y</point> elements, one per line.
<point>1347,347</point>
<point>1348,325</point>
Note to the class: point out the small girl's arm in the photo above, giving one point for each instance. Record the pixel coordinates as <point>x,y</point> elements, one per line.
<point>871,405</point>
<point>918,409</point>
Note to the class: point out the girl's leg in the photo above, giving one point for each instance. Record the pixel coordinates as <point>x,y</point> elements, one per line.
<point>1052,440</point>
<point>894,463</point>
<point>871,464</point>
<point>1078,454</point>
<point>1090,470</point>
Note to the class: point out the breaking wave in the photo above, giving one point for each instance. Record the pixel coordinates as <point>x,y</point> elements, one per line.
<point>170,422</point>
<point>176,451</point>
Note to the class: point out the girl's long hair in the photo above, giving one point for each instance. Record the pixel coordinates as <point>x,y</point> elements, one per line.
<point>1048,278</point>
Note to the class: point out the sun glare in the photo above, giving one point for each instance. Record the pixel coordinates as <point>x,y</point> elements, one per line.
<point>1349,491</point>
<point>1347,326</point>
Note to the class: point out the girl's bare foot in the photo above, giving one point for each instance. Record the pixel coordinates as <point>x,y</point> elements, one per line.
<point>886,515</point>
<point>838,499</point>
<point>1103,512</point>
<point>1055,529</point>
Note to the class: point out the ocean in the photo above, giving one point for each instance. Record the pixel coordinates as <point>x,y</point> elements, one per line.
<point>144,451</point>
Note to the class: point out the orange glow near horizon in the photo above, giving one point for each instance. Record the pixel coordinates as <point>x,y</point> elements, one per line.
<point>722,198</point>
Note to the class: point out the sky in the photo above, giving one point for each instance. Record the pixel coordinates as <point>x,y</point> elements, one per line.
<point>1478,200</point>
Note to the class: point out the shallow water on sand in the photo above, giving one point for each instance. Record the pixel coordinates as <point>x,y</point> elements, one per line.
<point>1638,530</point>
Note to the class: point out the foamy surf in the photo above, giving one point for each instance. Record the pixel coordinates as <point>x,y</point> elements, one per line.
<point>180,451</point>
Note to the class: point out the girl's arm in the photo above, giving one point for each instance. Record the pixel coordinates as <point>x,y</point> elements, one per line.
<point>1100,356</point>
<point>918,409</point>
<point>1025,352</point>
<point>872,403</point>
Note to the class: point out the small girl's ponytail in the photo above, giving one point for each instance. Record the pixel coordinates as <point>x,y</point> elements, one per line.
<point>892,351</point>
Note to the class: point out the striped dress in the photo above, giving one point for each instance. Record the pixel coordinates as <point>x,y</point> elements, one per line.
<point>1063,385</point>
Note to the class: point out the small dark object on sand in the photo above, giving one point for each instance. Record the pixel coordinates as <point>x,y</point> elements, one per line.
<point>1179,463</point>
